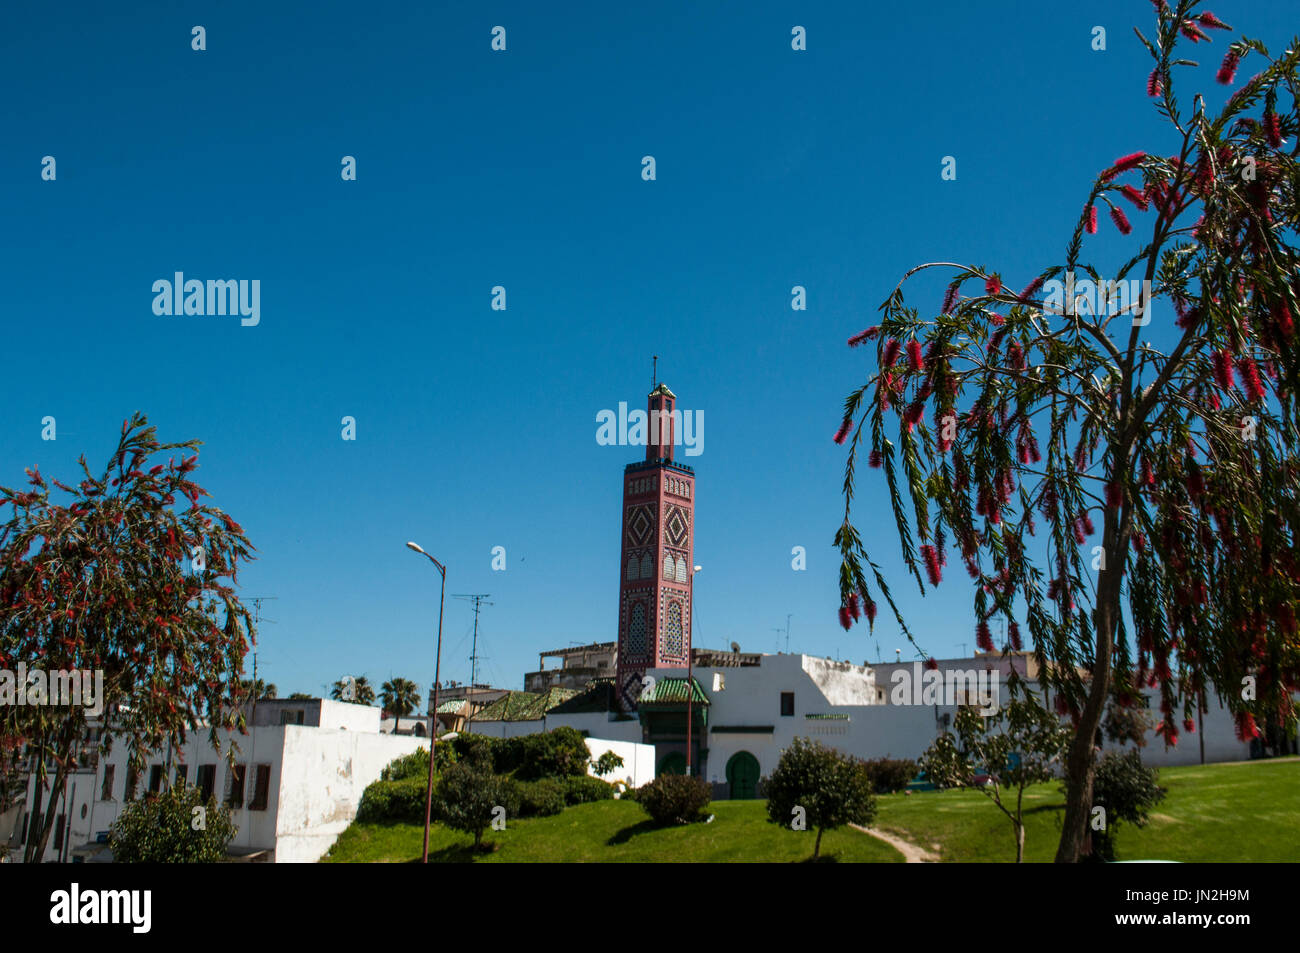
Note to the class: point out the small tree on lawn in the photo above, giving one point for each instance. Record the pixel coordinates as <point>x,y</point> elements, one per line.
<point>1020,745</point>
<point>1126,790</point>
<point>607,763</point>
<point>822,786</point>
<point>469,795</point>
<point>117,579</point>
<point>400,696</point>
<point>173,827</point>
<point>1179,434</point>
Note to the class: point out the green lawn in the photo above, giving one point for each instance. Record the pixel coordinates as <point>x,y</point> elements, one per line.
<point>614,832</point>
<point>1246,811</point>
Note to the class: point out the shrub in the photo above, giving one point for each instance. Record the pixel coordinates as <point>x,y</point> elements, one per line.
<point>824,787</point>
<point>585,789</point>
<point>160,829</point>
<point>541,798</point>
<point>1127,789</point>
<point>560,753</point>
<point>469,795</point>
<point>674,798</point>
<point>416,764</point>
<point>389,801</point>
<point>889,775</point>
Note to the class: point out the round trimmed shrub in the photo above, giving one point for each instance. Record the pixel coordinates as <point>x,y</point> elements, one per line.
<point>541,798</point>
<point>674,798</point>
<point>585,789</point>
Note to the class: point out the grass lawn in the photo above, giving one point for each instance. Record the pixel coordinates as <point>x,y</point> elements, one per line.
<point>1245,811</point>
<point>614,832</point>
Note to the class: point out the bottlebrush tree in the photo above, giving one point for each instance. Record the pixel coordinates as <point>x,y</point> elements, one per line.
<point>116,578</point>
<point>1027,426</point>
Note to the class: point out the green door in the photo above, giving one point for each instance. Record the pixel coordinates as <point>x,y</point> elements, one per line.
<point>742,775</point>
<point>674,763</point>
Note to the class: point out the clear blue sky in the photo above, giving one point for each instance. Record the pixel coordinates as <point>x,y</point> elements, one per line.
<point>476,428</point>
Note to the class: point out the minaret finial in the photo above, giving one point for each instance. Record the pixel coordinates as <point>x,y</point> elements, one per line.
<point>654,373</point>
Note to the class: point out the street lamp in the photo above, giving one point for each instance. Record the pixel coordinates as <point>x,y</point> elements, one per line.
<point>437,678</point>
<point>690,685</point>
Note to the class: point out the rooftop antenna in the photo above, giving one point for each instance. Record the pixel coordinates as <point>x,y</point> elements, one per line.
<point>478,599</point>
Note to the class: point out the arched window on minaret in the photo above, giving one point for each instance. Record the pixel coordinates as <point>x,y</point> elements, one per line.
<point>674,645</point>
<point>647,567</point>
<point>669,570</point>
<point>636,630</point>
<point>632,568</point>
<point>681,569</point>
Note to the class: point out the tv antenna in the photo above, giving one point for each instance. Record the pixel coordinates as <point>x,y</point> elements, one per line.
<point>479,599</point>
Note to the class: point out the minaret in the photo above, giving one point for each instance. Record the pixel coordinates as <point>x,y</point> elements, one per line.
<point>654,596</point>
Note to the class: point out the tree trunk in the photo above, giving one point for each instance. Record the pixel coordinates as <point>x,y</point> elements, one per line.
<point>817,847</point>
<point>1020,842</point>
<point>36,851</point>
<point>1080,764</point>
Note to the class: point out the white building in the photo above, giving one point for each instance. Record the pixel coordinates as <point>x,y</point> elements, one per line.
<point>746,714</point>
<point>295,785</point>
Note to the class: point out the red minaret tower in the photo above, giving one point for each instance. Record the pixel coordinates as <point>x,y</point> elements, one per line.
<point>657,567</point>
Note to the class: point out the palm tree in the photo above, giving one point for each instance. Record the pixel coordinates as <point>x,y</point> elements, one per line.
<point>400,696</point>
<point>362,692</point>
<point>258,689</point>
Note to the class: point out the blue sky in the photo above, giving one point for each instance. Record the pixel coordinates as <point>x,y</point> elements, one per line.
<point>476,428</point>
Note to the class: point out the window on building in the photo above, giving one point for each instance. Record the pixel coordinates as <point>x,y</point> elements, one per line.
<point>106,792</point>
<point>261,788</point>
<point>291,717</point>
<point>155,778</point>
<point>206,779</point>
<point>132,782</point>
<point>787,703</point>
<point>182,774</point>
<point>235,779</point>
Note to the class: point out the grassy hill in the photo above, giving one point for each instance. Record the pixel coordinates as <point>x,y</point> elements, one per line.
<point>1248,811</point>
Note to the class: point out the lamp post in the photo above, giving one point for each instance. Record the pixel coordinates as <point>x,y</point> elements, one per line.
<point>437,679</point>
<point>690,685</point>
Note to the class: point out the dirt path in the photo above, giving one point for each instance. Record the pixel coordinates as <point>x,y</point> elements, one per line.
<point>912,853</point>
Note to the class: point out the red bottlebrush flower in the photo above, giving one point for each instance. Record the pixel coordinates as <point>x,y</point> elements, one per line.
<point>1114,495</point>
<point>846,620</point>
<point>855,606</point>
<point>1030,290</point>
<point>1121,221</point>
<point>872,608</point>
<point>931,664</point>
<point>950,297</point>
<point>993,285</point>
<point>1015,356</point>
<point>1077,528</point>
<point>1211,22</point>
<point>1087,524</point>
<point>1013,635</point>
<point>1250,379</point>
<point>1246,727</point>
<point>1273,128</point>
<point>868,335</point>
<point>875,459</point>
<point>1155,85</point>
<point>1285,324</point>
<point>890,356</point>
<point>914,362</point>
<point>1228,69</point>
<point>1195,482</point>
<point>1189,726</point>
<point>1169,733</point>
<point>932,569</point>
<point>846,427</point>
<point>1222,367</point>
<point>1092,220</point>
<point>1193,32</point>
<point>1123,164</point>
<point>982,637</point>
<point>1137,198</point>
<point>914,412</point>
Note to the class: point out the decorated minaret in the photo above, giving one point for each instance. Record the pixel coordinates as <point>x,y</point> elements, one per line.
<point>654,596</point>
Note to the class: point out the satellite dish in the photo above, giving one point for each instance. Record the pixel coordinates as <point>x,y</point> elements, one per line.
<point>735,647</point>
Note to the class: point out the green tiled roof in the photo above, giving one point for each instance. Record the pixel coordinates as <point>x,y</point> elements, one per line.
<point>598,696</point>
<point>524,706</point>
<point>673,691</point>
<point>452,706</point>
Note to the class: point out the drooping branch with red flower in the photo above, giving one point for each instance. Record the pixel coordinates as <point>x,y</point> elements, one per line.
<point>130,574</point>
<point>1128,490</point>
